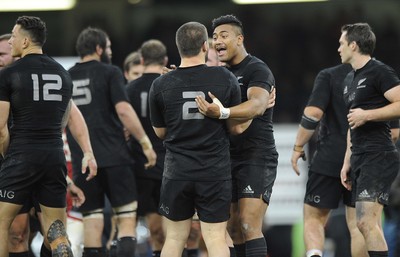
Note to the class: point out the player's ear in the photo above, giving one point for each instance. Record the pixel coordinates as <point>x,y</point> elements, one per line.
<point>99,50</point>
<point>204,47</point>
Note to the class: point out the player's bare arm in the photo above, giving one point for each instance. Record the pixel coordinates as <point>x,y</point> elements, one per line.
<point>80,132</point>
<point>257,103</point>
<point>358,117</point>
<point>131,122</point>
<point>310,119</point>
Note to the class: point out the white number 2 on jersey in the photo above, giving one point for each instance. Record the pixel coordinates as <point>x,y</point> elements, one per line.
<point>186,115</point>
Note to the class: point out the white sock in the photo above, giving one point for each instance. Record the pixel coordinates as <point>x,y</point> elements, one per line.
<point>314,252</point>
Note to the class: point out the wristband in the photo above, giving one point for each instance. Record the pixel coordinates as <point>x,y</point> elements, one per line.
<point>300,150</point>
<point>145,143</point>
<point>69,181</point>
<point>224,112</point>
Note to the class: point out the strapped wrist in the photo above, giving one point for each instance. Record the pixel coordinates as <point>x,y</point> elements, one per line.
<point>225,113</point>
<point>86,157</point>
<point>145,143</point>
<point>298,148</point>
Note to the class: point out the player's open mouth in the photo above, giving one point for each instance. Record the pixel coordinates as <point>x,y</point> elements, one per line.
<point>220,50</point>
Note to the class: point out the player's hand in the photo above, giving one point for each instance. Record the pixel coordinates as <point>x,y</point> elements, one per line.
<point>165,70</point>
<point>296,155</point>
<point>272,98</point>
<point>89,161</point>
<point>212,109</point>
<point>127,134</point>
<point>77,195</point>
<point>148,151</point>
<point>344,176</point>
<point>151,158</point>
<point>357,117</point>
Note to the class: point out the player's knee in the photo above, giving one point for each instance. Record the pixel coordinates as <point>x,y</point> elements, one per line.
<point>157,232</point>
<point>363,225</point>
<point>18,238</point>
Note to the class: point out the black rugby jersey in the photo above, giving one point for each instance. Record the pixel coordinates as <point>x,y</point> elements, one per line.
<point>98,87</point>
<point>365,88</point>
<point>197,147</point>
<point>138,93</point>
<point>39,90</point>
<point>258,140</point>
<point>327,95</point>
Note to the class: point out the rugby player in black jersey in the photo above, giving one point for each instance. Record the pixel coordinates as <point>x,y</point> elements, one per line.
<point>324,189</point>
<point>99,93</point>
<point>253,153</point>
<point>372,95</point>
<point>37,90</point>
<point>197,164</point>
<point>154,58</point>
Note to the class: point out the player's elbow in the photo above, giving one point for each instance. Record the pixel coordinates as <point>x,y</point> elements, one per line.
<point>237,130</point>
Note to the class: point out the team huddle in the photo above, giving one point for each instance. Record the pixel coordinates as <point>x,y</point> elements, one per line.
<point>184,146</point>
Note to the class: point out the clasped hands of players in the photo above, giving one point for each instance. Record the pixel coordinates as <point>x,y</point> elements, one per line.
<point>214,108</point>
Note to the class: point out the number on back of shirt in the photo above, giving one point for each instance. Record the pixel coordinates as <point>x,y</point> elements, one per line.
<point>81,92</point>
<point>52,83</point>
<point>189,108</point>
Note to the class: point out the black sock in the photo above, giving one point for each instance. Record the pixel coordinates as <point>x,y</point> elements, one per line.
<point>232,252</point>
<point>256,247</point>
<point>44,252</point>
<point>184,252</point>
<point>22,254</point>
<point>378,253</point>
<point>126,246</point>
<point>156,253</point>
<point>240,250</point>
<point>94,252</point>
<point>192,252</point>
<point>113,249</point>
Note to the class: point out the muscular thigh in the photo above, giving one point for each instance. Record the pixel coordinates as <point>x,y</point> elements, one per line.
<point>254,179</point>
<point>323,191</point>
<point>373,175</point>
<point>20,180</point>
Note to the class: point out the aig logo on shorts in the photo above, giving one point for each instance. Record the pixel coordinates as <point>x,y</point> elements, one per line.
<point>165,209</point>
<point>7,194</point>
<point>313,198</point>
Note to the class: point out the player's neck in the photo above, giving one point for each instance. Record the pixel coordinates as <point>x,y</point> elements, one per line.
<point>153,68</point>
<point>32,50</point>
<point>192,61</point>
<point>239,57</point>
<point>359,61</point>
<point>91,57</point>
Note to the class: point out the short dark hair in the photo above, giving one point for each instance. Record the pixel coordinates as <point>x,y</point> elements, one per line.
<point>190,37</point>
<point>88,39</point>
<point>153,52</point>
<point>35,27</point>
<point>362,34</point>
<point>228,19</point>
<point>5,37</point>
